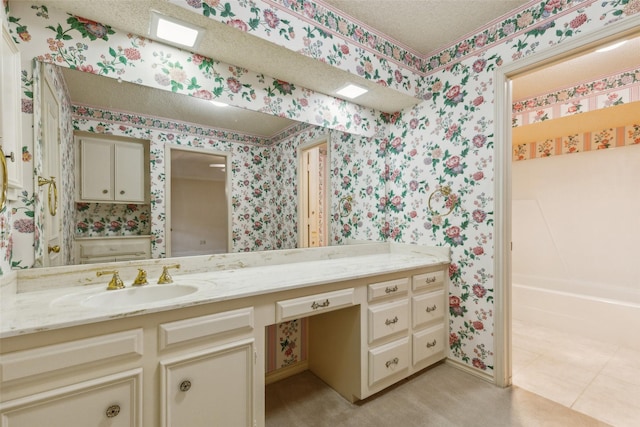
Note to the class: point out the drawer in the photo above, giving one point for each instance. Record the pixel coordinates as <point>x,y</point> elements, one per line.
<point>205,327</point>
<point>313,304</point>
<point>427,343</point>
<point>428,307</point>
<point>388,319</point>
<point>388,288</point>
<point>115,401</point>
<point>388,360</point>
<point>428,280</point>
<point>114,247</point>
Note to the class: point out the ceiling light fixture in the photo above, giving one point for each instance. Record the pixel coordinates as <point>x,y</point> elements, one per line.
<point>174,31</point>
<point>611,47</point>
<point>351,91</point>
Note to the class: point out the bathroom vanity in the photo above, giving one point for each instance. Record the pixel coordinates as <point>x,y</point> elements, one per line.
<point>192,352</point>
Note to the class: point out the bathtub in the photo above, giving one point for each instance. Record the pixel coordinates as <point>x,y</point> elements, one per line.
<point>604,313</point>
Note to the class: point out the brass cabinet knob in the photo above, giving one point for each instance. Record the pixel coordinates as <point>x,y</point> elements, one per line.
<point>55,249</point>
<point>185,385</point>
<point>113,411</point>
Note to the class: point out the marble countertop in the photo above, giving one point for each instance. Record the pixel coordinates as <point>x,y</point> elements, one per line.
<point>65,306</point>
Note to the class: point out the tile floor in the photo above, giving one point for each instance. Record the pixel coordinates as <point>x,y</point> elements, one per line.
<point>596,379</point>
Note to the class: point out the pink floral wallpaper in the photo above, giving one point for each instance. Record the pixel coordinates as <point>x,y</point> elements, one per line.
<point>390,164</point>
<point>579,142</point>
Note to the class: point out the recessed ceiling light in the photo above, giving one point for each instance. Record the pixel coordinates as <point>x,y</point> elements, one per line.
<point>611,47</point>
<point>174,31</point>
<point>219,104</point>
<point>351,91</point>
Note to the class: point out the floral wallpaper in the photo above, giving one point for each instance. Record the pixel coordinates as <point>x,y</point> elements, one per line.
<point>578,142</point>
<point>400,160</point>
<point>609,91</point>
<point>111,219</point>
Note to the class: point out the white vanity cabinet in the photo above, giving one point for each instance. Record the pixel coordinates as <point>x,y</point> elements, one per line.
<point>429,306</point>
<point>73,383</point>
<point>112,170</point>
<point>213,385</point>
<point>113,400</point>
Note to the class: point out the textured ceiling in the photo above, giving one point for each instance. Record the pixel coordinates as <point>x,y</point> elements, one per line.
<point>425,26</point>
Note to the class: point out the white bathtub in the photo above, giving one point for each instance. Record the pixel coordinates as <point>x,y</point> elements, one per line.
<point>604,313</point>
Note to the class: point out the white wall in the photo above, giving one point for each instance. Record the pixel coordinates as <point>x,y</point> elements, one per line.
<point>198,214</point>
<point>576,222</point>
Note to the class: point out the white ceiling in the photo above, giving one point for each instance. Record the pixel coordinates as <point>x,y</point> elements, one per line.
<point>424,26</point>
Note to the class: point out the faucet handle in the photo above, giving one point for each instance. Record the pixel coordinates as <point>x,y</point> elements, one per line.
<point>165,277</point>
<point>115,282</point>
<point>141,278</point>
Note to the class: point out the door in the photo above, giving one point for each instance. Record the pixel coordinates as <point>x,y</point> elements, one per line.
<point>53,251</point>
<point>198,213</point>
<point>313,195</point>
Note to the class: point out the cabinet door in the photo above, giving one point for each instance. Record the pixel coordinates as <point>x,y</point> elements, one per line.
<point>96,180</point>
<point>209,388</point>
<point>129,173</point>
<point>113,401</point>
<point>10,114</point>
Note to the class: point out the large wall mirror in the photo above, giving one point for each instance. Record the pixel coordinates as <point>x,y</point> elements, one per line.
<point>250,158</point>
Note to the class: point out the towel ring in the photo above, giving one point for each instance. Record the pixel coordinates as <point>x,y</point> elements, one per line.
<point>5,179</point>
<point>446,192</point>
<point>52,193</point>
<point>344,206</point>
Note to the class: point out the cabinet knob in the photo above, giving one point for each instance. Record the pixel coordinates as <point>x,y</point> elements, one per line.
<point>121,191</point>
<point>105,191</point>
<point>113,411</point>
<point>185,385</point>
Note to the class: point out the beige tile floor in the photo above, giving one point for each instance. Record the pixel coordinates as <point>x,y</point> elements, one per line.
<point>596,379</point>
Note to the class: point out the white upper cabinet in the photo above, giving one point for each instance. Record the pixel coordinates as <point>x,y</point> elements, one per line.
<point>112,171</point>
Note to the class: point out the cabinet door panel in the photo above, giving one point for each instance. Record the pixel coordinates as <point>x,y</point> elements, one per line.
<point>96,172</point>
<point>112,401</point>
<point>211,388</point>
<point>129,172</point>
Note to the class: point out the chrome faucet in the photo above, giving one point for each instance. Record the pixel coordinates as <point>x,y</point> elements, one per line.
<point>115,282</point>
<point>165,277</point>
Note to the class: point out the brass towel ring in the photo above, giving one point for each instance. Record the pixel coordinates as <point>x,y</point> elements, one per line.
<point>344,206</point>
<point>446,192</point>
<point>52,193</point>
<point>5,180</point>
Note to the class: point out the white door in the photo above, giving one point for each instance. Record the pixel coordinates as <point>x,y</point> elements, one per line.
<point>53,251</point>
<point>312,196</point>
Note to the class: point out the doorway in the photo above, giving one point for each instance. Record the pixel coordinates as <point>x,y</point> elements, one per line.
<point>313,161</point>
<point>504,79</point>
<point>198,209</point>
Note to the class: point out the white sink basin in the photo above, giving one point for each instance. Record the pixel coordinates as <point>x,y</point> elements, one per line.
<point>138,295</point>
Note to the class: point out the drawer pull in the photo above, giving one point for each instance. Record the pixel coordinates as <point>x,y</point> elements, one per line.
<point>391,321</point>
<point>392,362</point>
<point>389,290</point>
<point>430,280</point>
<point>185,385</point>
<point>113,411</point>
<point>323,304</point>
<point>434,307</point>
<point>431,344</point>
